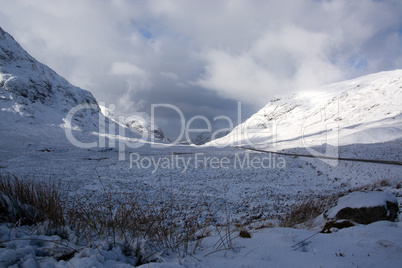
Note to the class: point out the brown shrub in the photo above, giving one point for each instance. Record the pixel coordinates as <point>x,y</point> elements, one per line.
<point>244,234</point>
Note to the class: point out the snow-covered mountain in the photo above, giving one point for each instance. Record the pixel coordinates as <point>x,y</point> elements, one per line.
<point>142,124</point>
<point>38,106</point>
<point>35,100</point>
<point>363,110</point>
<point>207,136</point>
<point>139,123</point>
<point>33,91</point>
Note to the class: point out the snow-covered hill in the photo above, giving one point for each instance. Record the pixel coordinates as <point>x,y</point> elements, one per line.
<point>38,106</point>
<point>33,90</point>
<point>363,110</point>
<point>35,100</point>
<point>207,136</point>
<point>139,123</point>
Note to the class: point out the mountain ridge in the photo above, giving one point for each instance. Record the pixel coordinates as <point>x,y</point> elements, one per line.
<point>29,88</point>
<point>362,110</point>
<point>34,99</point>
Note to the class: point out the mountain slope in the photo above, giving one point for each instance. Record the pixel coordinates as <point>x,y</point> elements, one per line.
<point>39,107</point>
<point>29,87</point>
<point>363,110</point>
<point>206,136</point>
<point>139,123</point>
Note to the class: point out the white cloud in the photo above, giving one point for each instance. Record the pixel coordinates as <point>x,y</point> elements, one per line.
<point>136,78</point>
<point>126,69</point>
<point>237,77</point>
<point>170,75</point>
<point>289,58</point>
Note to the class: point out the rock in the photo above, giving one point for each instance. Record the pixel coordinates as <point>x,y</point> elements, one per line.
<point>365,207</point>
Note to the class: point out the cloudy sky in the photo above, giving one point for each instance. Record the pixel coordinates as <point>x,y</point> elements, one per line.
<point>205,56</point>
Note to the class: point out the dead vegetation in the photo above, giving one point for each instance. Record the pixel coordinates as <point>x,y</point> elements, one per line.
<point>308,209</point>
<point>244,234</point>
<point>28,202</point>
<point>143,227</point>
<point>312,206</point>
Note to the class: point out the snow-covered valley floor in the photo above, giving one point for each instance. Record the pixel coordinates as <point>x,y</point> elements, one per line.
<point>256,194</point>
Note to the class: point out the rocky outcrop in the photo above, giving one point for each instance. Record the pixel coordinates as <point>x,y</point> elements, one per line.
<point>365,207</point>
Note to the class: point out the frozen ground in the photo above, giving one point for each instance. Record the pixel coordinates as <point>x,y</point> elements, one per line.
<point>253,194</point>
<point>262,189</point>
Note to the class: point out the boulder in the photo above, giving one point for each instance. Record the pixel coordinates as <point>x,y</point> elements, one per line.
<point>365,207</point>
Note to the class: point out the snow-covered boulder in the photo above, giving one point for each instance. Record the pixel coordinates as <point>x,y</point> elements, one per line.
<point>365,207</point>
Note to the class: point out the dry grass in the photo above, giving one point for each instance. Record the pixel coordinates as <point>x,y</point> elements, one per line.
<point>142,226</point>
<point>313,206</point>
<point>30,202</point>
<point>374,186</point>
<point>307,210</point>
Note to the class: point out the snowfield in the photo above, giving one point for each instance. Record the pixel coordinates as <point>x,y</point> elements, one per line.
<point>246,190</point>
<point>374,245</point>
<point>363,110</point>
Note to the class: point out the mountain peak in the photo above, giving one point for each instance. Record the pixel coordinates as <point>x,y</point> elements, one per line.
<point>27,86</point>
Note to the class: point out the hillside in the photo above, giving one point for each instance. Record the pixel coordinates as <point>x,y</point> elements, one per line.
<point>35,104</point>
<point>206,136</point>
<point>33,90</point>
<point>363,110</point>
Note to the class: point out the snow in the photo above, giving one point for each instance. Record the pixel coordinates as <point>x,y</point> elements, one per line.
<point>273,248</point>
<point>374,245</point>
<point>139,123</point>
<point>366,111</point>
<point>362,199</point>
<point>363,110</point>
<point>206,136</point>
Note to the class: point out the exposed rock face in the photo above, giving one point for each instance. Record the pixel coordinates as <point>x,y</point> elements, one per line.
<point>365,207</point>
